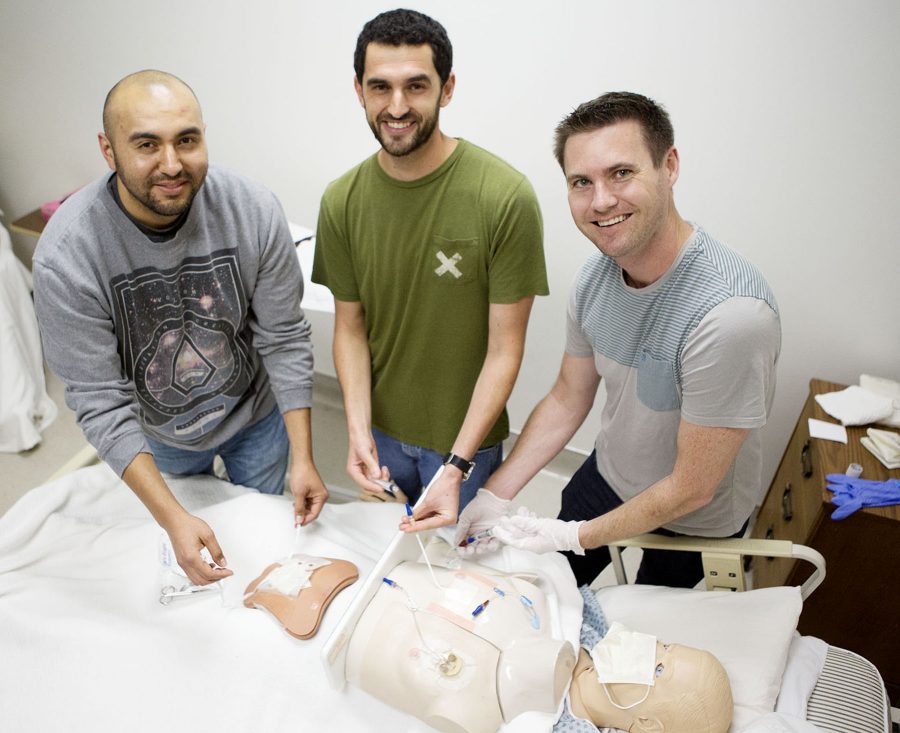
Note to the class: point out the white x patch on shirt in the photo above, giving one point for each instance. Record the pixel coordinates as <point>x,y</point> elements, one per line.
<point>448,264</point>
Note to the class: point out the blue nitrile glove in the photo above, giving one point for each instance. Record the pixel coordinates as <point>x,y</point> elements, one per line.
<point>851,493</point>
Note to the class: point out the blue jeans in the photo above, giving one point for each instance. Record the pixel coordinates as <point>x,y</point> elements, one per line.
<point>256,456</point>
<point>587,495</point>
<point>412,467</point>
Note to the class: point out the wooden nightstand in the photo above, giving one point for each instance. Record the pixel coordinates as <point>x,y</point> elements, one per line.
<point>858,604</point>
<point>32,223</point>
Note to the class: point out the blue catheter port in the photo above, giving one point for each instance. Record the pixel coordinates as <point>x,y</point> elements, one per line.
<point>529,606</point>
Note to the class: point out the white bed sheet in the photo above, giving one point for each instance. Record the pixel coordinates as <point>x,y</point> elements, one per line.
<point>86,646</point>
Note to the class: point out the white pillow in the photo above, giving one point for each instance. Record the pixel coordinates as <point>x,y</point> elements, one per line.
<point>805,661</point>
<point>750,633</point>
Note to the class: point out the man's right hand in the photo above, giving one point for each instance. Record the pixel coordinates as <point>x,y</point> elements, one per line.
<point>362,464</point>
<point>189,535</point>
<point>480,514</point>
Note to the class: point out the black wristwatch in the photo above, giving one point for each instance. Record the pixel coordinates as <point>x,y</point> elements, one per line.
<point>451,459</point>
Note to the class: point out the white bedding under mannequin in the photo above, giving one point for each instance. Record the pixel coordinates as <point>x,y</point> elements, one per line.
<point>80,616</point>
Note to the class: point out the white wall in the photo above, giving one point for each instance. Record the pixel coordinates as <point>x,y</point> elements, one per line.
<point>785,116</point>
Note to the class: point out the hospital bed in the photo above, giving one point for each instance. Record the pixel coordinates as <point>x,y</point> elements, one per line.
<point>86,644</point>
<point>832,688</point>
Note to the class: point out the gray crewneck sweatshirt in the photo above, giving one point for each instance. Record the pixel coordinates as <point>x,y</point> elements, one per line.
<point>184,340</point>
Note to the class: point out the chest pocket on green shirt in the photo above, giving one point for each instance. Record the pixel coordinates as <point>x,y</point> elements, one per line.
<point>454,261</point>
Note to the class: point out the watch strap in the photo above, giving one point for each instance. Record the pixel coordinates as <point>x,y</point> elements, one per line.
<point>451,459</point>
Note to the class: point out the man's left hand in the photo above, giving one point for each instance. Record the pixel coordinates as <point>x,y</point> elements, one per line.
<point>539,534</point>
<point>309,492</point>
<point>440,506</point>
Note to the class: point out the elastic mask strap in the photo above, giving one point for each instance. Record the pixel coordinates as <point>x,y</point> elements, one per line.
<point>624,707</point>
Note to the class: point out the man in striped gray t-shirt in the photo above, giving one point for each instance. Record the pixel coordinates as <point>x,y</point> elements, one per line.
<point>686,334</point>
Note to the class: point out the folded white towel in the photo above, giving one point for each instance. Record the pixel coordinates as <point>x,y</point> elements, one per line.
<point>856,406</point>
<point>885,388</point>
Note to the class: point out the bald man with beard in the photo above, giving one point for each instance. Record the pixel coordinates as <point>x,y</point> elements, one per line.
<point>168,296</point>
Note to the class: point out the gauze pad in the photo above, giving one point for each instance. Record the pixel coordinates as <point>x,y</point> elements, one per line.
<point>293,575</point>
<point>625,656</point>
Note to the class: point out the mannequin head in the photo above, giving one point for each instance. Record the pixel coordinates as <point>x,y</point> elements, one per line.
<point>691,694</point>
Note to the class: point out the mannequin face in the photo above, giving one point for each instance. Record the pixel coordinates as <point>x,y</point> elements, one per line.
<point>691,695</point>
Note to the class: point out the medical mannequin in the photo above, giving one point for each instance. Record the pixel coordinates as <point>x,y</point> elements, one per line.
<point>691,694</point>
<point>464,649</point>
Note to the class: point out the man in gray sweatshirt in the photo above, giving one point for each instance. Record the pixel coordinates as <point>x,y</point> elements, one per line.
<point>168,296</point>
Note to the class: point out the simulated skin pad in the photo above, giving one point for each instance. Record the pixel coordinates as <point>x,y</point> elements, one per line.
<point>300,610</point>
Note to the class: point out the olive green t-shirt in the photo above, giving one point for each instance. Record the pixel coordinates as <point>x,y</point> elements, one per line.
<point>426,258</point>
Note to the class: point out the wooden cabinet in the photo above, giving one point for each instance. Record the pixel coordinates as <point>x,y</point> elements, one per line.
<point>858,604</point>
<point>32,223</point>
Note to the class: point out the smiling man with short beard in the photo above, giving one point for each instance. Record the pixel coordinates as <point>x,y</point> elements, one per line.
<point>155,183</point>
<point>180,286</point>
<point>433,249</point>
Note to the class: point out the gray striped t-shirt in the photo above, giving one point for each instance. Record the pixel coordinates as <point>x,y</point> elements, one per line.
<point>700,344</point>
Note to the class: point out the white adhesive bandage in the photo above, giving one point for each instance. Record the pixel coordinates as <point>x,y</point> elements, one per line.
<point>293,575</point>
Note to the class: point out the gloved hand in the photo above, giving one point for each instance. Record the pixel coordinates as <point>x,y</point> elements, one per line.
<point>480,514</point>
<point>539,534</point>
<point>851,493</point>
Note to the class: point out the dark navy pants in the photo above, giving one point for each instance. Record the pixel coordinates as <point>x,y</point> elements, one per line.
<point>587,495</point>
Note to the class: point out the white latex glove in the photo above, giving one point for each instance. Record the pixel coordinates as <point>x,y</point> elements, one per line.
<point>480,514</point>
<point>539,534</point>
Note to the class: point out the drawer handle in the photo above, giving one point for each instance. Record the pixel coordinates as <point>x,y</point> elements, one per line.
<point>787,509</point>
<point>806,460</point>
<point>770,535</point>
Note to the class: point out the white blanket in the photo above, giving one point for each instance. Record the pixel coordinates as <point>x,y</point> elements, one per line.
<point>85,644</point>
<point>25,407</point>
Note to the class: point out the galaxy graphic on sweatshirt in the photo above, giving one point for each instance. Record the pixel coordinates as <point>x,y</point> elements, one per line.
<point>180,333</point>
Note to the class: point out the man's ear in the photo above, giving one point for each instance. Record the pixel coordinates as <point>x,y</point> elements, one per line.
<point>447,90</point>
<point>672,164</point>
<point>106,149</point>
<point>645,724</point>
<point>359,91</point>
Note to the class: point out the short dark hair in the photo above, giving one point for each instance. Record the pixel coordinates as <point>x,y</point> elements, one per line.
<point>405,28</point>
<point>613,107</point>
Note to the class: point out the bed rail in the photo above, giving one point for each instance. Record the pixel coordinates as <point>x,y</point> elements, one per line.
<point>723,558</point>
<point>85,457</point>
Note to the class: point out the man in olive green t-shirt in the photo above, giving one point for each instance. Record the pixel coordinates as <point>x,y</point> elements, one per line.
<point>433,250</point>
